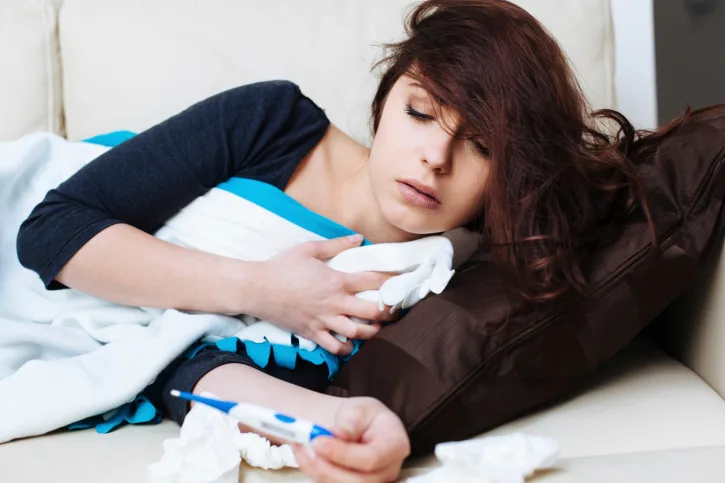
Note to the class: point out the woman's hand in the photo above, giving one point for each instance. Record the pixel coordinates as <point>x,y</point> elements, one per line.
<point>370,446</point>
<point>300,293</point>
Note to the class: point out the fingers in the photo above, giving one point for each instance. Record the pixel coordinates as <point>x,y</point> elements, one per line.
<point>352,330</point>
<point>363,447</point>
<point>362,281</point>
<point>325,249</point>
<point>364,458</point>
<point>323,471</point>
<point>328,342</point>
<point>364,309</point>
<point>354,417</point>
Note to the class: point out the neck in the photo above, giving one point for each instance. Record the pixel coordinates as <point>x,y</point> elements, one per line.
<point>351,201</point>
<point>359,210</point>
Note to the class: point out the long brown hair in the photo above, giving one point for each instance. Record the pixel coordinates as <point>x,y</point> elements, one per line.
<point>554,176</point>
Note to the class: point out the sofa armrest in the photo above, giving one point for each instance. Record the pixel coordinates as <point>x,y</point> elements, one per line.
<point>692,328</point>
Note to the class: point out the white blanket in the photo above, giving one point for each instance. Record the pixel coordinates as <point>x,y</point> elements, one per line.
<point>66,356</point>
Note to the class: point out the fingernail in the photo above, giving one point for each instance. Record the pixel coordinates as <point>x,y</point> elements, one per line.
<point>356,238</point>
<point>318,445</point>
<point>309,452</point>
<point>347,427</point>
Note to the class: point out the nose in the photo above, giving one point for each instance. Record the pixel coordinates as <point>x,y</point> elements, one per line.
<point>438,151</point>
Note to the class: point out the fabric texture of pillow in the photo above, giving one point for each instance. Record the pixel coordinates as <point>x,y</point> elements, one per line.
<point>473,358</point>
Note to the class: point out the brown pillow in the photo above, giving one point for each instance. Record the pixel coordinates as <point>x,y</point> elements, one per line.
<point>474,358</point>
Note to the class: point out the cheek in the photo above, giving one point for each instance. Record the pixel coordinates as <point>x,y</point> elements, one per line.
<point>387,155</point>
<point>376,166</point>
<point>470,204</point>
<point>397,136</point>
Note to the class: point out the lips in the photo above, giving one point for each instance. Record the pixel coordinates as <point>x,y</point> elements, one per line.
<point>423,189</point>
<point>418,195</point>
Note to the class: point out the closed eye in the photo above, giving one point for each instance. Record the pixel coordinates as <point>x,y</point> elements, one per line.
<point>481,148</point>
<point>421,117</point>
<point>418,116</point>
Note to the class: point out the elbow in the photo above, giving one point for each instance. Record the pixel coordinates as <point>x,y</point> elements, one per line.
<point>32,249</point>
<point>26,244</point>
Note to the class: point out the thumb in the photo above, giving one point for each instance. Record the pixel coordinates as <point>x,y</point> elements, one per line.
<point>325,249</point>
<point>352,419</point>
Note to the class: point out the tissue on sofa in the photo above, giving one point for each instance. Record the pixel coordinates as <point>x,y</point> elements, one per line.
<point>210,448</point>
<point>509,458</point>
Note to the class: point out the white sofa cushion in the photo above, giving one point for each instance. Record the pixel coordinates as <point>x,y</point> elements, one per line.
<point>30,93</point>
<point>128,64</point>
<point>585,31</point>
<point>692,465</point>
<point>150,59</point>
<point>642,400</point>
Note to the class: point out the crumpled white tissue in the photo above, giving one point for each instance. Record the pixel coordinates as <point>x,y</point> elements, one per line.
<point>508,458</point>
<point>210,448</point>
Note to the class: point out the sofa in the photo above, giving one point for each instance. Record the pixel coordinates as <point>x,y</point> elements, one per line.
<point>78,68</point>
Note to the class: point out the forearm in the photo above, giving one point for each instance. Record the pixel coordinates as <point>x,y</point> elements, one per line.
<point>125,265</point>
<point>238,382</point>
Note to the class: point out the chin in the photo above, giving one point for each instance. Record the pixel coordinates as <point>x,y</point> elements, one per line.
<point>409,224</point>
<point>412,221</point>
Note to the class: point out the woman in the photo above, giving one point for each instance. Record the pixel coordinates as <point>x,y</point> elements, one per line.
<point>478,121</point>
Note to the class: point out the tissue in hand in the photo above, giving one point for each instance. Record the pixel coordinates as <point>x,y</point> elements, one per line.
<point>210,448</point>
<point>508,458</point>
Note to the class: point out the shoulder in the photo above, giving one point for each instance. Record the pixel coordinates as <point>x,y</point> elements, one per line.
<point>265,91</point>
<point>269,98</point>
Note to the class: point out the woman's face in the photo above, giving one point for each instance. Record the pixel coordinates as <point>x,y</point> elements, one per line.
<point>424,179</point>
